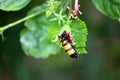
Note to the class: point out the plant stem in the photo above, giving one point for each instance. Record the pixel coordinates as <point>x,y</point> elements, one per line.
<point>21,20</point>
<point>76,6</point>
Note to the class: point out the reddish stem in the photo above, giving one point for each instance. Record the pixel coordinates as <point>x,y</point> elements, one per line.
<point>75,11</point>
<point>76,6</point>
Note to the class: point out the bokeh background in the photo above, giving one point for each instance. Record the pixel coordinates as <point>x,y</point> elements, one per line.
<point>101,63</point>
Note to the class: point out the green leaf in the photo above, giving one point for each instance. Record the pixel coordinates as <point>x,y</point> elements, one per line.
<point>79,35</point>
<point>53,32</point>
<point>34,40</point>
<point>110,8</point>
<point>36,44</point>
<point>65,28</point>
<point>13,5</point>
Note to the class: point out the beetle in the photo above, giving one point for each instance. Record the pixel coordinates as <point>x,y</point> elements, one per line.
<point>67,42</point>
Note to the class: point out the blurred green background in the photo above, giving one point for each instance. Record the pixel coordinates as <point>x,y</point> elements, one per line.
<point>101,63</point>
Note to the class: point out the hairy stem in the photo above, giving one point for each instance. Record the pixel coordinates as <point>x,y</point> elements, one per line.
<point>21,20</point>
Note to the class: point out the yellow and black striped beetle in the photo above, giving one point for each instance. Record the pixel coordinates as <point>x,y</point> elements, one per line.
<point>67,45</point>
